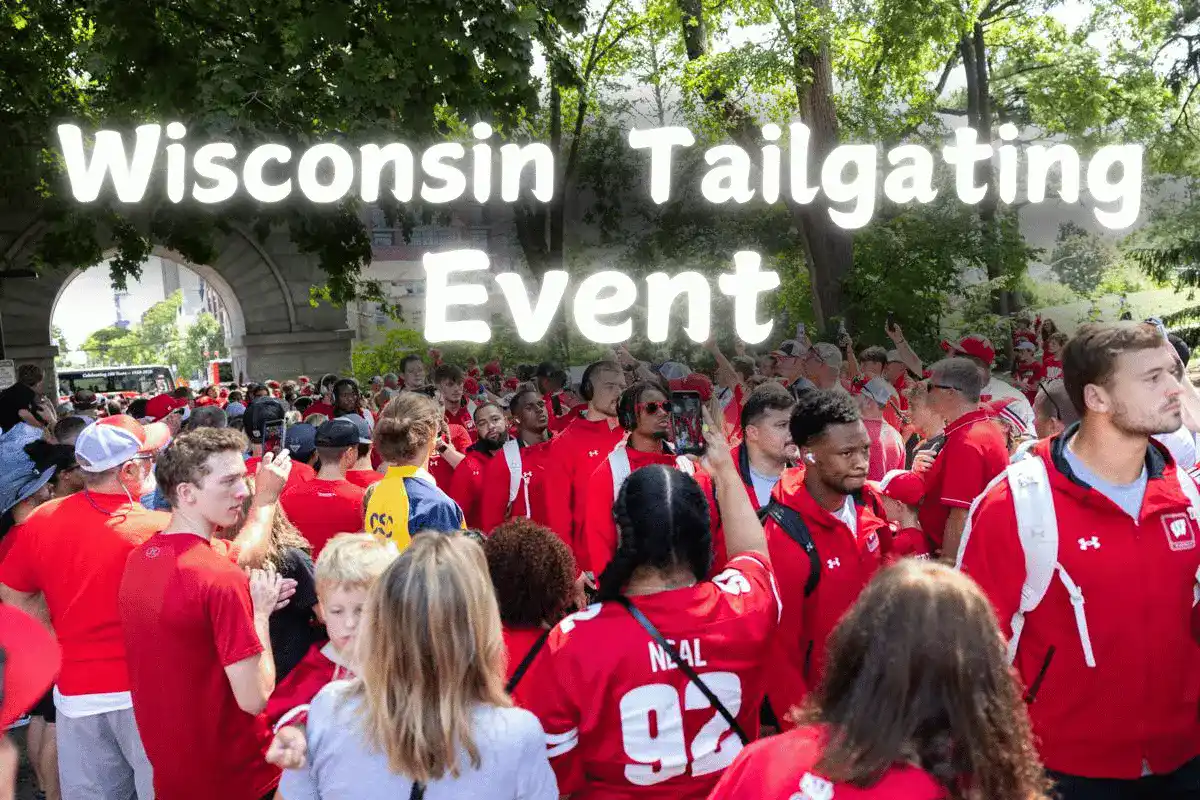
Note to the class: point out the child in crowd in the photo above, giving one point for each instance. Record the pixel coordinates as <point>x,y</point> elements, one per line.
<point>348,565</point>
<point>1052,357</point>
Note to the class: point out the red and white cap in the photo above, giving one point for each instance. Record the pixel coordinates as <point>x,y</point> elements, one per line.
<point>159,406</point>
<point>32,659</point>
<point>903,485</point>
<point>972,345</point>
<point>112,441</point>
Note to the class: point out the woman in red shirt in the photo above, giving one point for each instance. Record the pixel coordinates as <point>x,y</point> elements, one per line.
<point>918,703</point>
<point>533,573</point>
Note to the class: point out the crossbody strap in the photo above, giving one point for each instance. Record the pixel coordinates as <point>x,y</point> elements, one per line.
<point>685,667</point>
<point>527,662</point>
<point>418,791</point>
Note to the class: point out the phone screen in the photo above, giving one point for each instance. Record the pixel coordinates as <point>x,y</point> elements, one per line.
<point>272,436</point>
<point>687,424</point>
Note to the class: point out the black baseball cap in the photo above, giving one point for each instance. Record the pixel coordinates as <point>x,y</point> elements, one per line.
<point>260,412</point>
<point>337,432</point>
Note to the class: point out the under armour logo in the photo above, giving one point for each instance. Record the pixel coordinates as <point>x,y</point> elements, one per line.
<point>593,453</point>
<point>1093,543</point>
<point>527,476</point>
<point>813,787</point>
<point>833,562</point>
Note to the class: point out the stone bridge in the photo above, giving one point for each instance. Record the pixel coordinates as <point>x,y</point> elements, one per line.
<point>275,332</point>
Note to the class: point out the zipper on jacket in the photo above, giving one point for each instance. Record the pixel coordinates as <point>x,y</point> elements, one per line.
<point>808,658</point>
<point>1034,687</point>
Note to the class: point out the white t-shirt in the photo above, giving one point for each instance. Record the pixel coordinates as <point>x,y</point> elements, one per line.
<point>849,515</point>
<point>763,485</point>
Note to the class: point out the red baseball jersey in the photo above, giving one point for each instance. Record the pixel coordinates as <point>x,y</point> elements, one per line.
<point>622,720</point>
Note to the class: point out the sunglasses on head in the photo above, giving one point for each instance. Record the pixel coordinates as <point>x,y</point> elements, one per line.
<point>653,407</point>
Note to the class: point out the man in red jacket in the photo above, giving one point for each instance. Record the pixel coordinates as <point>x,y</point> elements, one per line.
<point>645,414</point>
<point>1099,606</point>
<point>762,456</point>
<point>466,487</point>
<point>551,384</point>
<point>586,442</point>
<point>819,506</point>
<point>528,454</point>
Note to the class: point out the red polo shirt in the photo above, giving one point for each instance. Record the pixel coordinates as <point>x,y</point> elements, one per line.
<point>974,453</point>
<point>322,509</point>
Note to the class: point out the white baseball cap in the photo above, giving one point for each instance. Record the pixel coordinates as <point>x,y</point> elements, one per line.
<point>1025,344</point>
<point>114,440</point>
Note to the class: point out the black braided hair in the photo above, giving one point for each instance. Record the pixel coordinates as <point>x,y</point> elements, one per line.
<point>662,521</point>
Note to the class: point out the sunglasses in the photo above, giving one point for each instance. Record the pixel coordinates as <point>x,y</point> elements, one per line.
<point>1044,388</point>
<point>652,407</point>
<point>947,387</point>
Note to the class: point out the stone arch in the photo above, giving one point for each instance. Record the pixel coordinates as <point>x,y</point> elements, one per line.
<point>264,283</point>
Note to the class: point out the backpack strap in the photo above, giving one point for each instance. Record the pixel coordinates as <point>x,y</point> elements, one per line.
<point>1187,484</point>
<point>685,465</point>
<point>684,667</point>
<point>618,461</point>
<point>527,662</point>
<point>418,791</point>
<point>790,521</point>
<point>512,456</point>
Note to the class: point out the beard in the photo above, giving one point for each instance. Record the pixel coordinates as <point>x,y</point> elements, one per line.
<point>1131,419</point>
<point>490,445</point>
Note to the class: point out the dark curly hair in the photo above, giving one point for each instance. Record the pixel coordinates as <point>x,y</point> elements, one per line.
<point>662,522</point>
<point>817,409</point>
<point>533,573</point>
<point>629,399</point>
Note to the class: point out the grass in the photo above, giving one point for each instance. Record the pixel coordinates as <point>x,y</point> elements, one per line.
<point>1151,303</point>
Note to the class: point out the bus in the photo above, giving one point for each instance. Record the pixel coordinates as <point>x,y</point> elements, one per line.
<point>116,381</point>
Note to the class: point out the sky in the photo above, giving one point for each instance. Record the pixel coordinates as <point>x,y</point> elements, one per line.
<point>86,304</point>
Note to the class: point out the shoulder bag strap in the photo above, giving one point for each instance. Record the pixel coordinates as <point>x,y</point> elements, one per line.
<point>790,521</point>
<point>527,662</point>
<point>686,668</point>
<point>418,791</point>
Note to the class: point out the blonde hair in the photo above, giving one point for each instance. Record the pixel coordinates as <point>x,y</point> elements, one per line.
<point>354,560</point>
<point>407,427</point>
<point>431,649</point>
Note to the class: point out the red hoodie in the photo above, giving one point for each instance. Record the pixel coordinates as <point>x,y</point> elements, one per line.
<point>848,563</point>
<point>562,408</point>
<point>594,517</point>
<point>533,495</point>
<point>466,486</point>
<point>578,451</point>
<point>1140,700</point>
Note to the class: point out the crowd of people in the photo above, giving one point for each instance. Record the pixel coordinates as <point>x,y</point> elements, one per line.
<point>881,579</point>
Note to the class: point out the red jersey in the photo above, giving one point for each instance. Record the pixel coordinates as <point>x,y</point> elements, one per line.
<point>533,491</point>
<point>466,487</point>
<point>784,768</point>
<point>576,453</point>
<point>1138,703</point>
<point>1026,377</point>
<point>322,509</point>
<point>974,452</point>
<point>364,477</point>
<point>849,560</point>
<point>73,551</point>
<point>187,615</point>
<point>594,519</point>
<point>622,720</point>
<point>289,702</point>
<point>1052,365</point>
<point>464,418</point>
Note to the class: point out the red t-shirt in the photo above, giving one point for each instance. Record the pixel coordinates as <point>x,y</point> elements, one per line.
<point>465,418</point>
<point>300,473</point>
<point>187,615</point>
<point>784,768</point>
<point>322,509</point>
<point>887,449</point>
<point>975,452</point>
<point>517,644</point>
<point>73,551</point>
<point>364,477</point>
<point>438,467</point>
<point>319,407</point>
<point>1053,366</point>
<point>622,720</point>
<point>1028,376</point>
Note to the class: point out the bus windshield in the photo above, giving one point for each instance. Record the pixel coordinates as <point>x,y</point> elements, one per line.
<point>116,380</point>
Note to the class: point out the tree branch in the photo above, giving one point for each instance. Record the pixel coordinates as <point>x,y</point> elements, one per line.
<point>951,63</point>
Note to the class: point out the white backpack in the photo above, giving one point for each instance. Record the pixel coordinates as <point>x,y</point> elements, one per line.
<point>618,460</point>
<point>516,478</point>
<point>1037,529</point>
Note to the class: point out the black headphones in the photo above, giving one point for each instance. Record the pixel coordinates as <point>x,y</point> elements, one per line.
<point>585,382</point>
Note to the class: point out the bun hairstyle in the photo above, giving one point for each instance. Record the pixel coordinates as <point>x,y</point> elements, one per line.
<point>662,522</point>
<point>406,428</point>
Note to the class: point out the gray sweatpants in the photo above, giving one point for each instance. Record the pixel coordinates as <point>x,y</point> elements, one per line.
<point>101,758</point>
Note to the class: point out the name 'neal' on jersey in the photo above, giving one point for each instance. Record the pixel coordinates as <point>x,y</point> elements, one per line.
<point>689,651</point>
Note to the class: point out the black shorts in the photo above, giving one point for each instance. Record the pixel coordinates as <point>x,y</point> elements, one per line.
<point>45,708</point>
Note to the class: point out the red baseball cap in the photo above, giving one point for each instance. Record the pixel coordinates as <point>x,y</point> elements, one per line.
<point>491,368</point>
<point>511,384</point>
<point>903,485</point>
<point>159,406</point>
<point>694,382</point>
<point>303,379</point>
<point>972,345</point>
<point>471,386</point>
<point>31,662</point>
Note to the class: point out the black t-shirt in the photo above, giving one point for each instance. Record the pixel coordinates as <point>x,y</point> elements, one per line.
<point>13,400</point>
<point>293,628</point>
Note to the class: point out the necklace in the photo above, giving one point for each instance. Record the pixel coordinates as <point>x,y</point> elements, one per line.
<point>88,495</point>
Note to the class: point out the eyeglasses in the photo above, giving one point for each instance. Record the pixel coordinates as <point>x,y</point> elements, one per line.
<point>1044,387</point>
<point>945,386</point>
<point>652,407</point>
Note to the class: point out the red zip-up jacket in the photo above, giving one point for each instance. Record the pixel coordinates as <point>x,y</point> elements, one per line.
<point>848,563</point>
<point>536,463</point>
<point>577,451</point>
<point>599,530</point>
<point>1140,702</point>
<point>467,484</point>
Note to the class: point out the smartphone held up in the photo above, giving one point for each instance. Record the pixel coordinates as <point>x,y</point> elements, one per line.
<point>687,423</point>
